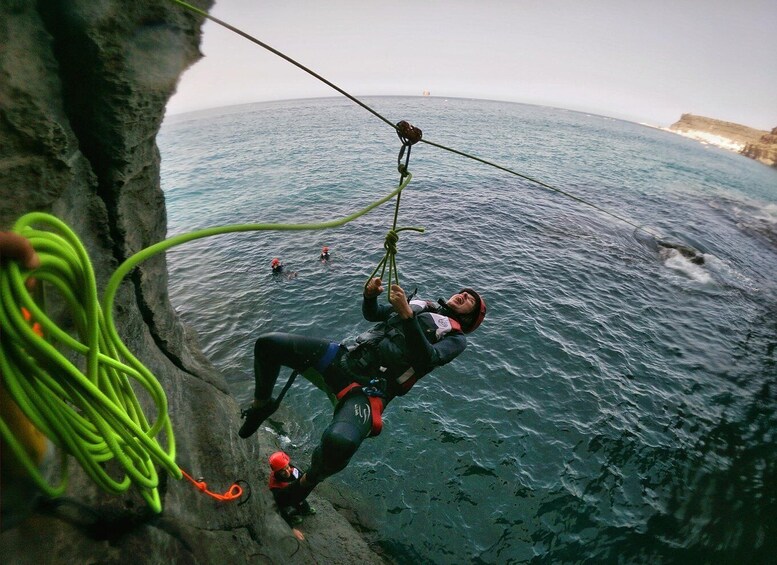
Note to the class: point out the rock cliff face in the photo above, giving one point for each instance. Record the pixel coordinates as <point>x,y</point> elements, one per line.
<point>763,150</point>
<point>754,143</point>
<point>83,88</point>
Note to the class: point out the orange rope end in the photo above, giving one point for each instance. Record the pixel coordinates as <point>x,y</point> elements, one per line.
<point>234,492</point>
<point>36,327</point>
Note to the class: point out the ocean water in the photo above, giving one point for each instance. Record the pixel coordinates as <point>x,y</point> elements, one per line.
<point>619,403</point>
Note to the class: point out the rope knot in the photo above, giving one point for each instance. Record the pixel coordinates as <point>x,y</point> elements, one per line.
<point>408,133</point>
<point>390,244</point>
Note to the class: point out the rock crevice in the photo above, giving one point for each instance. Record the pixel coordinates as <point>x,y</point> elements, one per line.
<point>83,88</point>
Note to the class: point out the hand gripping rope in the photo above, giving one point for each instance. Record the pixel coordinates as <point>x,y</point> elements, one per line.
<point>87,406</point>
<point>79,392</point>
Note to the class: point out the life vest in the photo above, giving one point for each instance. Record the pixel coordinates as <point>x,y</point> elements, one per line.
<point>380,352</point>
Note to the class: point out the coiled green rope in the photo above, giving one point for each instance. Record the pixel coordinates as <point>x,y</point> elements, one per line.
<point>88,408</point>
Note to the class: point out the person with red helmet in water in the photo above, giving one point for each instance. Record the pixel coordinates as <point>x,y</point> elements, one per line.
<point>412,337</point>
<point>277,269</point>
<point>324,254</point>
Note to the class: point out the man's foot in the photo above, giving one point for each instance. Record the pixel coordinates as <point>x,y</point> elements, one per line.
<point>305,509</point>
<point>254,417</point>
<point>294,520</point>
<point>291,515</point>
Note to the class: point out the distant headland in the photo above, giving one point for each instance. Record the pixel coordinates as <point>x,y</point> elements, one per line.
<point>757,144</point>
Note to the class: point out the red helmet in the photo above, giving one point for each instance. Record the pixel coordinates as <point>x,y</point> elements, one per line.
<point>478,313</point>
<point>275,261</point>
<point>325,249</point>
<point>278,460</point>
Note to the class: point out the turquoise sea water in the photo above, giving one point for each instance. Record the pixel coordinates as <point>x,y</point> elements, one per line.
<point>619,404</point>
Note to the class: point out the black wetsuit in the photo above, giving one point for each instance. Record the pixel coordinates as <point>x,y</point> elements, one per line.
<point>278,485</point>
<point>393,355</point>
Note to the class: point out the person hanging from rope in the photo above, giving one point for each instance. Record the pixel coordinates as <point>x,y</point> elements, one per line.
<point>412,338</point>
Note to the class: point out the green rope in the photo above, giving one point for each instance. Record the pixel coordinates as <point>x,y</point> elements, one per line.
<point>88,408</point>
<point>390,245</point>
<point>392,237</point>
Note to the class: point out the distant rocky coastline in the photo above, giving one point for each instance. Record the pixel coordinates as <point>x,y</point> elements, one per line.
<point>760,145</point>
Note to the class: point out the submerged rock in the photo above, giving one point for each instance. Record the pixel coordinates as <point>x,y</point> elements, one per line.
<point>693,255</point>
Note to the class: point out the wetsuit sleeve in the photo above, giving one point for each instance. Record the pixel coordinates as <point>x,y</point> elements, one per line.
<point>285,496</point>
<point>374,312</point>
<point>421,353</point>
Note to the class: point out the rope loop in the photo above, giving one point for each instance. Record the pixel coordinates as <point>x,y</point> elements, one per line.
<point>234,492</point>
<point>409,135</point>
<point>78,388</point>
<point>402,167</point>
<point>390,257</point>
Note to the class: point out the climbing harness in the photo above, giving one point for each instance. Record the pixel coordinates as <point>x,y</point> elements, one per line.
<point>375,396</point>
<point>89,409</point>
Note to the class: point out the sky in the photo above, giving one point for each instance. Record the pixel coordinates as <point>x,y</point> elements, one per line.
<point>646,61</point>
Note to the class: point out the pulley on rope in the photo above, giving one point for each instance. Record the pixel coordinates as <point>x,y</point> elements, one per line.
<point>409,135</point>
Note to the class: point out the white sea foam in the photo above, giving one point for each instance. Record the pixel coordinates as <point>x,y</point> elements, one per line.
<point>676,261</point>
<point>768,214</point>
<point>711,139</point>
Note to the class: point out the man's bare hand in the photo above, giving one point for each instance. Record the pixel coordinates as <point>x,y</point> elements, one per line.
<point>373,288</point>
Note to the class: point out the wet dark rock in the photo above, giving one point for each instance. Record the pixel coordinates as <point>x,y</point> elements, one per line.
<point>83,88</point>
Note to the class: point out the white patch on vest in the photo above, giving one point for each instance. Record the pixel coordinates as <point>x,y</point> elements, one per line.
<point>416,302</point>
<point>443,324</point>
<point>406,375</point>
